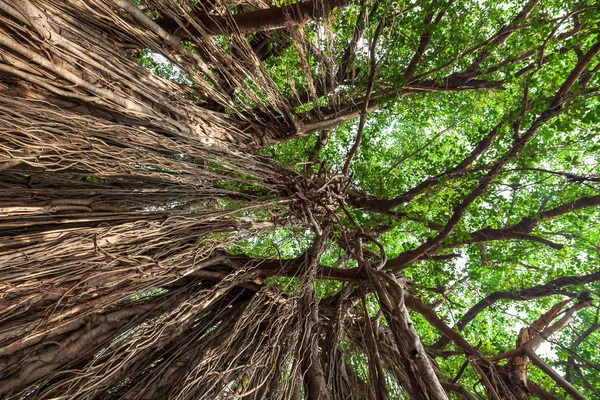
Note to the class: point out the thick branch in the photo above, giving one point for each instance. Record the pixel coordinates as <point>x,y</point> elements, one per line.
<point>560,381</point>
<point>550,288</point>
<point>522,229</point>
<point>268,19</point>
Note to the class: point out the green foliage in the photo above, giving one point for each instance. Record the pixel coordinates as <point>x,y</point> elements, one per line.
<point>148,293</point>
<point>162,67</point>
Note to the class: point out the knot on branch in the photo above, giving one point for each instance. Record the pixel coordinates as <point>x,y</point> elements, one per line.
<point>316,197</point>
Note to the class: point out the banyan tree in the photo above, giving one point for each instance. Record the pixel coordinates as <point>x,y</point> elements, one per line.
<point>325,199</point>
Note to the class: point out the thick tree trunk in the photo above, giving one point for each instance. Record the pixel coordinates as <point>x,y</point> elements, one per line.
<point>314,376</point>
<point>423,379</point>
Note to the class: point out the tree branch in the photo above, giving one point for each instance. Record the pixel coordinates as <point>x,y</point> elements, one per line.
<point>550,288</point>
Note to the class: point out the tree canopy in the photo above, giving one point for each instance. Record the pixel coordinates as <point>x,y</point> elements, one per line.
<point>326,199</point>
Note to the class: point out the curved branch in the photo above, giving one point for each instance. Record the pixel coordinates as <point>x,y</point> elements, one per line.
<point>522,229</point>
<point>550,288</point>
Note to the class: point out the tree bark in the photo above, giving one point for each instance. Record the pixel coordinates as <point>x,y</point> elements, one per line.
<point>262,20</point>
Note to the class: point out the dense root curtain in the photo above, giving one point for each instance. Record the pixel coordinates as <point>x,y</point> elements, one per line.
<point>122,195</point>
